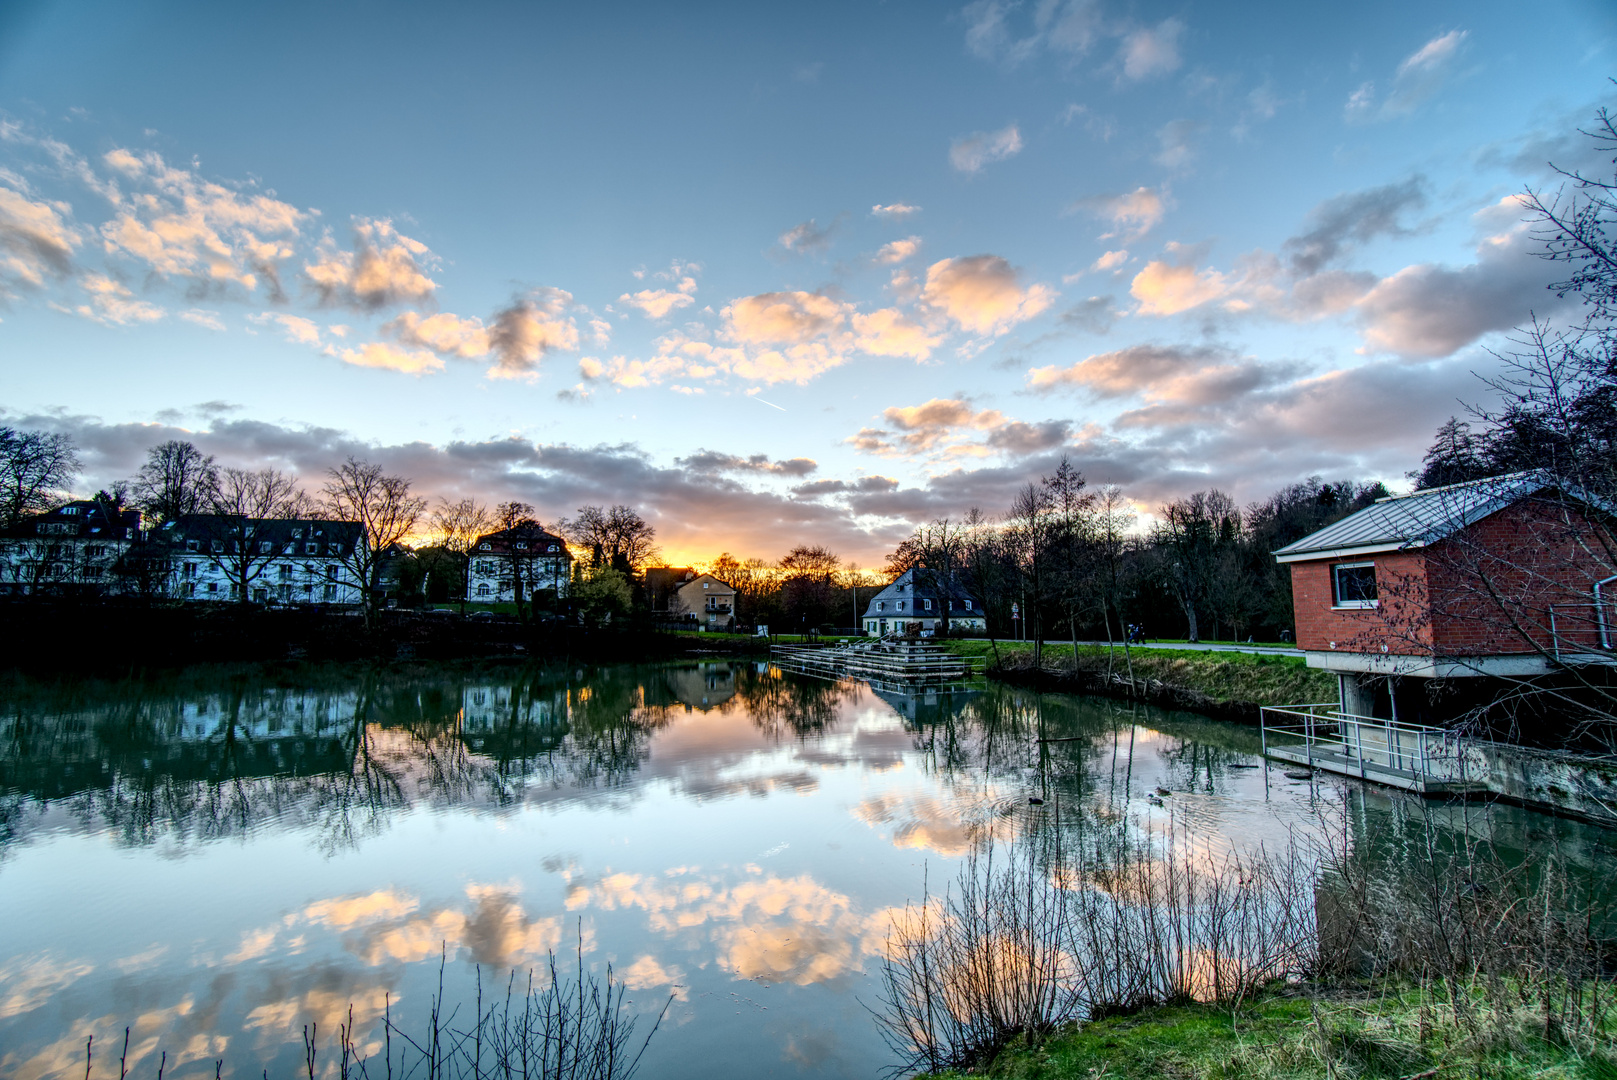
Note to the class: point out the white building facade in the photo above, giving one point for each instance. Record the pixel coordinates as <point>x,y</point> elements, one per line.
<point>285,563</point>
<point>529,556</point>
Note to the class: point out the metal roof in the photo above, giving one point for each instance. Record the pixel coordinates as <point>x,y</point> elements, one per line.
<point>1419,518</point>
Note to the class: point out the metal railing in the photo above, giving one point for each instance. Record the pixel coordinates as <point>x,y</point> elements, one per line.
<point>1582,633</point>
<point>1361,745</point>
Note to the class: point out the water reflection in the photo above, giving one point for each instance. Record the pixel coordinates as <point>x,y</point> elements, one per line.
<point>217,857</point>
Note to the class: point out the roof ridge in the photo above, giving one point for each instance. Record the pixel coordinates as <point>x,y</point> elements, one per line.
<point>1501,478</point>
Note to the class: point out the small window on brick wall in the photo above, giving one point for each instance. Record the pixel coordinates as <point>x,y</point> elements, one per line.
<point>1353,585</point>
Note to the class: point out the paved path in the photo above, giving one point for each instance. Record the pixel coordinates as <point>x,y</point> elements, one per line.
<point>1260,650</point>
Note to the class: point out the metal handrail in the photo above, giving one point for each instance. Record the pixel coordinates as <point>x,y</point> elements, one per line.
<point>1589,621</point>
<point>1322,725</point>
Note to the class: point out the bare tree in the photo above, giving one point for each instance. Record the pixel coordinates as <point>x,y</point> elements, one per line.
<point>1027,536</point>
<point>619,537</point>
<point>243,531</point>
<point>177,479</point>
<point>516,518</point>
<point>455,528</point>
<point>1193,534</point>
<point>809,578</point>
<point>36,467</point>
<point>383,508</point>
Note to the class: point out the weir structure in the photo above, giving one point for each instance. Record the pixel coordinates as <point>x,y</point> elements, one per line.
<point>904,665</point>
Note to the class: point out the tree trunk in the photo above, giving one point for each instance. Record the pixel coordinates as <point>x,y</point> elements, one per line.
<point>1190,617</point>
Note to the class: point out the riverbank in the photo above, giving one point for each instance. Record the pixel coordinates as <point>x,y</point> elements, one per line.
<point>1225,685</point>
<point>51,634</point>
<point>1294,1035</point>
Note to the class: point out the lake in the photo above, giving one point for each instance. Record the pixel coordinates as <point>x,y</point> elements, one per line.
<point>215,858</point>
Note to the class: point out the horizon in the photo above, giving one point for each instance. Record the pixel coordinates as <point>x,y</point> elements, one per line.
<point>785,276</point>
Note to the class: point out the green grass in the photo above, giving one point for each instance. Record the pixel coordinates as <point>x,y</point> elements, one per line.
<point>1284,1037</point>
<point>1264,680</point>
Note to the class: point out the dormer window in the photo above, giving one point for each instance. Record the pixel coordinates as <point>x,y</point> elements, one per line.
<point>482,547</point>
<point>70,511</point>
<point>191,545</point>
<point>928,604</point>
<point>552,547</point>
<point>881,605</point>
<point>522,545</point>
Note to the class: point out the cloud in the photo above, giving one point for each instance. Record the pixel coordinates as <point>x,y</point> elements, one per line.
<point>807,237</point>
<point>391,357</point>
<point>184,227</point>
<point>1069,28</point>
<point>1111,260</point>
<point>1432,310</point>
<point>1344,221</point>
<point>897,251</point>
<point>522,334</point>
<point>784,317</point>
<point>111,303</point>
<point>36,241</point>
<point>1152,50</point>
<point>889,332</point>
<point>657,303</point>
<point>711,461</point>
<point>443,333</point>
<point>970,153</point>
<point>1164,288</point>
<point>296,328</point>
<point>947,427</point>
<point>1132,214</point>
<point>1173,138</point>
<point>1419,77</point>
<point>385,268</point>
<point>1133,370</point>
<point>982,293</point>
<point>897,210</point>
<point>1096,314</point>
<point>207,319</point>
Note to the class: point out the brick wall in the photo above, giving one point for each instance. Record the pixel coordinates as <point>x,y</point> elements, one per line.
<point>1400,622</point>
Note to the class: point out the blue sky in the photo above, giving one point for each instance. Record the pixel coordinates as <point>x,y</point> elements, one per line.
<point>777,273</point>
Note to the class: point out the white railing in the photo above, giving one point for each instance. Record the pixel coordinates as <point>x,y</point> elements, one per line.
<point>1362,745</point>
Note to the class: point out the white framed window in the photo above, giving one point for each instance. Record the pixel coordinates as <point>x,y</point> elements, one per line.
<point>928,604</point>
<point>1353,585</point>
<point>482,590</point>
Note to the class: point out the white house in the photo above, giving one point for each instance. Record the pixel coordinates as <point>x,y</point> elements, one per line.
<point>80,545</point>
<point>527,555</point>
<point>291,561</point>
<point>923,599</point>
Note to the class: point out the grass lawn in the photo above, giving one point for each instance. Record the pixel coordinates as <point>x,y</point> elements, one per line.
<point>1284,1037</point>
<point>1265,680</point>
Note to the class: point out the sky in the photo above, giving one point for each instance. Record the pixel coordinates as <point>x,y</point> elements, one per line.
<point>777,274</point>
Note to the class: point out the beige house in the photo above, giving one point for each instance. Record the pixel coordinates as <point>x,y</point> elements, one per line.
<point>706,600</point>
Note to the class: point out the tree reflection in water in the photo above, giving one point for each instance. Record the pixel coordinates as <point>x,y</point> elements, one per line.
<point>208,753</point>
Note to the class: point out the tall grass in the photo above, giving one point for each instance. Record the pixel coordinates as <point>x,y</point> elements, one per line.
<point>1032,937</point>
<point>1036,936</point>
<point>545,1025</point>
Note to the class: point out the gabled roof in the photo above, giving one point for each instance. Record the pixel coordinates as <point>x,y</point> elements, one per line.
<point>1419,518</point>
<point>83,519</point>
<point>921,582</point>
<point>537,537</point>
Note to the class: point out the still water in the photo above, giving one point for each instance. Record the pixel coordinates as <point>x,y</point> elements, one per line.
<point>216,858</point>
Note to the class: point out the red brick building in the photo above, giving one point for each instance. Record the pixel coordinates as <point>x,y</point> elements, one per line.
<point>1507,577</point>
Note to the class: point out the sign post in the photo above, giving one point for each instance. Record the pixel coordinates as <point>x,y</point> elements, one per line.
<point>1016,617</point>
